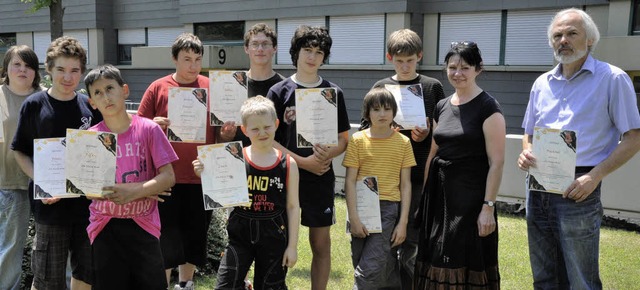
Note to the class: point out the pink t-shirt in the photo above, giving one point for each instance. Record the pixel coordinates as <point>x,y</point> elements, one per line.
<point>141,150</point>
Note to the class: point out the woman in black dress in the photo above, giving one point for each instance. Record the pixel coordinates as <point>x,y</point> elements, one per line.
<point>458,222</point>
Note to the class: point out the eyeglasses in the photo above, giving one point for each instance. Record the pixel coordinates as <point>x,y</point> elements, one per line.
<point>256,45</point>
<point>463,43</point>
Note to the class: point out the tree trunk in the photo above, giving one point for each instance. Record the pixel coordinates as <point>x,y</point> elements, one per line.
<point>56,12</point>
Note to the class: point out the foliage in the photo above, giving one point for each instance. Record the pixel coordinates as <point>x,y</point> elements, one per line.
<point>39,4</point>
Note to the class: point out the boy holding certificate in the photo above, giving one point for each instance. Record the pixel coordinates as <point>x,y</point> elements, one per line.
<point>310,48</point>
<point>184,221</point>
<point>267,230</point>
<point>124,227</point>
<point>382,152</point>
<point>404,51</point>
<point>60,223</point>
<point>260,44</point>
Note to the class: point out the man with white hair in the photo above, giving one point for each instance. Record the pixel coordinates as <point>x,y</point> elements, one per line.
<point>596,100</point>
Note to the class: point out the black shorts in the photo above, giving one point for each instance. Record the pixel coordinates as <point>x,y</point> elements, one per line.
<point>52,246</point>
<point>125,256</point>
<point>185,224</point>
<point>317,203</point>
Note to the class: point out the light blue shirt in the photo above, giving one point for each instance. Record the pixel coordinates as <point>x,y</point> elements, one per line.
<point>598,102</point>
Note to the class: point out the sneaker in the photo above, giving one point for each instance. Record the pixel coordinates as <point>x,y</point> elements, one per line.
<point>188,286</point>
<point>248,285</point>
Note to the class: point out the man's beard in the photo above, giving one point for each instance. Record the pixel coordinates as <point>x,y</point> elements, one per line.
<point>567,59</point>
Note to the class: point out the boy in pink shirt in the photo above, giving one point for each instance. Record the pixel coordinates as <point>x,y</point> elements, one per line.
<point>124,227</point>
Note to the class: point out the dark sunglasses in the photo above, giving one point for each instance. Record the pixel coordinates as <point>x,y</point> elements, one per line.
<point>463,43</point>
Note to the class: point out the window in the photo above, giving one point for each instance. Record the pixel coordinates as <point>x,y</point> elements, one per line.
<point>7,40</point>
<point>527,42</point>
<point>357,39</point>
<point>227,33</point>
<point>128,38</point>
<point>163,36</point>
<point>482,28</point>
<point>635,26</point>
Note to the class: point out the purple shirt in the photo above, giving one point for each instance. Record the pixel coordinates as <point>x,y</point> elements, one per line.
<point>598,102</point>
<point>141,150</point>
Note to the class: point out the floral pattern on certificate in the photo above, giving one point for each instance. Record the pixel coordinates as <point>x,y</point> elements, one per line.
<point>410,106</point>
<point>368,204</point>
<point>224,177</point>
<point>228,93</point>
<point>555,153</point>
<point>188,114</point>
<point>317,117</point>
<point>90,162</point>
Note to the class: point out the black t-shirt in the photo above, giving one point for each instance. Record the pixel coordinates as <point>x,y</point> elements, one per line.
<point>432,93</point>
<point>42,116</point>
<point>283,96</point>
<point>256,88</point>
<point>459,134</point>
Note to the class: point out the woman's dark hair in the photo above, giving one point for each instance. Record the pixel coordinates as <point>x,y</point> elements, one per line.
<point>468,51</point>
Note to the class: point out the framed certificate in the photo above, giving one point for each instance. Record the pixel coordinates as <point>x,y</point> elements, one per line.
<point>319,107</point>
<point>555,153</point>
<point>410,106</point>
<point>224,178</point>
<point>187,110</point>
<point>90,162</point>
<point>368,204</point>
<point>228,92</point>
<point>48,168</point>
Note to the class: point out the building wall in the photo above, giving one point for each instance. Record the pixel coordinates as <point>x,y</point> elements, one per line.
<point>78,14</point>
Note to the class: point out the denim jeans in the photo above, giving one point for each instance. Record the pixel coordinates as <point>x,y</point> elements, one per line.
<point>14,222</point>
<point>564,240</point>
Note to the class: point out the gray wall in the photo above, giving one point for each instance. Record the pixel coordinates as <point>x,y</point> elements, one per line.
<point>443,6</point>
<point>78,14</point>
<point>511,89</point>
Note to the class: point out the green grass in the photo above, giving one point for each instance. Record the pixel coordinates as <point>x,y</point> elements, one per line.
<point>619,257</point>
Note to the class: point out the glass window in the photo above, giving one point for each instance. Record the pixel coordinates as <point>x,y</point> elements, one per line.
<point>229,33</point>
<point>7,40</point>
<point>124,53</point>
<point>635,28</point>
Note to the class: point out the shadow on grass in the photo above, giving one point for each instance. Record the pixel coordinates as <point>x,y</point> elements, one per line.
<point>304,274</point>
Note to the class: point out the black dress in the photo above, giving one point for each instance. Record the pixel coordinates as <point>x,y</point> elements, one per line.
<point>451,254</point>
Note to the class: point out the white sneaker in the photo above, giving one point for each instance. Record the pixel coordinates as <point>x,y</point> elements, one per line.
<point>189,286</point>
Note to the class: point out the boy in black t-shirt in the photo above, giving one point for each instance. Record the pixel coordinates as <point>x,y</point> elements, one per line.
<point>60,223</point>
<point>310,48</point>
<point>404,51</point>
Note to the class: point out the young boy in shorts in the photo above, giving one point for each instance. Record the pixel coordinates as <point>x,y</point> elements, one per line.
<point>310,48</point>
<point>260,44</point>
<point>404,50</point>
<point>60,223</point>
<point>382,152</point>
<point>184,221</point>
<point>266,231</point>
<point>124,227</point>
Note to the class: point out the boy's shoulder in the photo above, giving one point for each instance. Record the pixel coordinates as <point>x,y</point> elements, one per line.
<point>420,79</point>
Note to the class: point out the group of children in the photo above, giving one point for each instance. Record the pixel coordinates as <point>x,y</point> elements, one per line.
<point>123,251</point>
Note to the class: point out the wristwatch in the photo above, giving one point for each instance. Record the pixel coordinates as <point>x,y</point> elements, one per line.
<point>489,203</point>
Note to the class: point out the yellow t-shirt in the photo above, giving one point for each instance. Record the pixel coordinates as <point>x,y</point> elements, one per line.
<point>381,157</point>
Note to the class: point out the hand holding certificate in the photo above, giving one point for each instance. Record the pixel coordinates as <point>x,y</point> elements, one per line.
<point>228,92</point>
<point>224,177</point>
<point>555,152</point>
<point>90,162</point>
<point>320,122</point>
<point>368,204</point>
<point>188,114</point>
<point>410,102</point>
<point>48,168</point>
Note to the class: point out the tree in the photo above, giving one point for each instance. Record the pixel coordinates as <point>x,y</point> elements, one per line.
<point>56,13</point>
